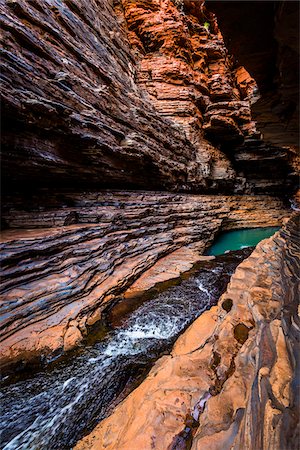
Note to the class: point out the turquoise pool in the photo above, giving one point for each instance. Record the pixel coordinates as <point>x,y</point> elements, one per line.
<point>238,239</point>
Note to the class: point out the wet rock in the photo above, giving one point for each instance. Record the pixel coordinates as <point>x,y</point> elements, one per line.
<point>51,276</point>
<point>168,268</point>
<point>250,396</point>
<point>241,333</point>
<point>72,338</point>
<point>227,304</point>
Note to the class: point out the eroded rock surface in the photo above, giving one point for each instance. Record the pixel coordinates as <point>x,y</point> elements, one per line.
<point>61,277</point>
<point>126,93</point>
<point>72,110</point>
<point>134,94</point>
<point>269,47</point>
<point>231,379</point>
<point>168,268</point>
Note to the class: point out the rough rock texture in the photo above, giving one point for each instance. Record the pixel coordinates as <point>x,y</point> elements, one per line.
<point>143,94</point>
<point>188,74</point>
<point>60,277</point>
<point>72,110</point>
<point>193,80</point>
<point>168,268</point>
<point>257,159</point>
<point>187,70</point>
<point>269,48</point>
<point>121,94</point>
<point>231,379</point>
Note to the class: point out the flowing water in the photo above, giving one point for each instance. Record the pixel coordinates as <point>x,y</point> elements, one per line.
<point>56,407</point>
<point>239,239</point>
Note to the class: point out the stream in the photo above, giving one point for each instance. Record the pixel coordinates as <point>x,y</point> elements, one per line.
<point>57,406</point>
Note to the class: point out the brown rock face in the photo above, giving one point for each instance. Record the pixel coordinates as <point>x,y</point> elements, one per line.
<point>193,80</point>
<point>72,110</point>
<point>52,277</point>
<point>186,69</point>
<point>189,76</point>
<point>142,98</point>
<point>122,94</point>
<point>269,48</point>
<point>230,381</point>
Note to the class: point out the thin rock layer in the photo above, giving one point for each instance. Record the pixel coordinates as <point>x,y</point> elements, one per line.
<point>231,379</point>
<point>57,278</point>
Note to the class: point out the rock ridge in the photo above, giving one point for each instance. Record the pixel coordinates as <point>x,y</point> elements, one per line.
<point>230,381</point>
<point>63,274</point>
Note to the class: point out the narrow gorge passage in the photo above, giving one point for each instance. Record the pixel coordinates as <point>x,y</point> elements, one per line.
<point>147,147</point>
<point>57,407</point>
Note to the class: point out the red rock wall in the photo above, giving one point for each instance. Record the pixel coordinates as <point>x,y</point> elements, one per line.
<point>190,78</point>
<point>187,70</point>
<point>130,93</point>
<point>64,274</point>
<point>72,111</point>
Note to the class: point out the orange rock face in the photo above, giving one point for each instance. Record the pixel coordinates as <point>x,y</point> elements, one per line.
<point>229,381</point>
<point>57,281</point>
<point>188,73</point>
<point>168,268</point>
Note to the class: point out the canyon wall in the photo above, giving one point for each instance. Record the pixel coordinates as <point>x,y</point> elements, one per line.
<point>73,113</point>
<point>269,47</point>
<point>128,143</point>
<point>231,378</point>
<point>58,278</point>
<point>127,94</point>
<point>122,94</point>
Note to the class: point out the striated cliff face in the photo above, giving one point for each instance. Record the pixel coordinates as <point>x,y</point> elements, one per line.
<point>188,73</point>
<point>58,278</point>
<point>231,379</point>
<point>73,112</point>
<point>269,47</point>
<point>121,94</point>
<point>128,143</point>
<point>125,94</point>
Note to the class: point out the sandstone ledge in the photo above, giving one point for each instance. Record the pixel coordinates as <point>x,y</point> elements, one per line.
<point>63,277</point>
<point>168,268</point>
<point>230,381</point>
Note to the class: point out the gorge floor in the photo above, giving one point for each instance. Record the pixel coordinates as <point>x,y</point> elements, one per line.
<point>56,407</point>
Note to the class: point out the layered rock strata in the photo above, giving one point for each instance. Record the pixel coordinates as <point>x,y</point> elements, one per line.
<point>269,47</point>
<point>231,379</point>
<point>115,94</point>
<point>57,281</point>
<point>71,108</point>
<point>193,80</point>
<point>188,72</point>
